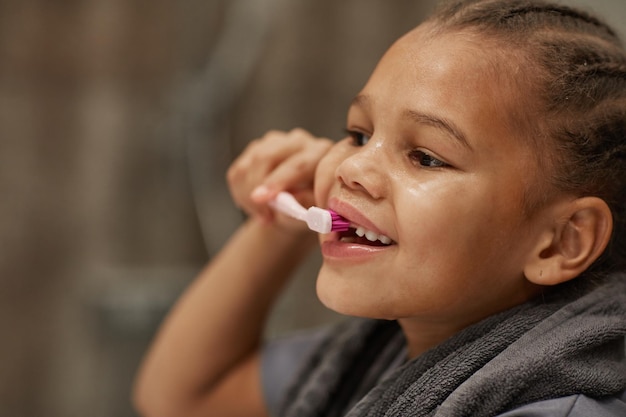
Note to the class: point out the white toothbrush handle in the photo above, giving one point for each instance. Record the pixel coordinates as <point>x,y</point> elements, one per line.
<point>287,204</point>
<point>318,220</point>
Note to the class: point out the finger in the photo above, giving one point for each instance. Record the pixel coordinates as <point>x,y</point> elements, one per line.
<point>266,153</point>
<point>294,173</point>
<point>278,161</point>
<point>258,161</point>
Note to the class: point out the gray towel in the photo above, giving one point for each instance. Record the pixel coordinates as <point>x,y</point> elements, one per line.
<point>546,348</point>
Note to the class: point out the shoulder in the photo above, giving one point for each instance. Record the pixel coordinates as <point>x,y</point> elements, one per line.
<point>280,361</point>
<point>573,406</point>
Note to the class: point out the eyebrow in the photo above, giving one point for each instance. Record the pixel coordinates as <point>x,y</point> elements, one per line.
<point>422,118</point>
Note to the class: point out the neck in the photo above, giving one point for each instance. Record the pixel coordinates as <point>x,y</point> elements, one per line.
<point>421,337</point>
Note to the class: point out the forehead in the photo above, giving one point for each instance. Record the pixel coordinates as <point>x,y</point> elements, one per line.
<point>446,66</point>
<point>462,74</point>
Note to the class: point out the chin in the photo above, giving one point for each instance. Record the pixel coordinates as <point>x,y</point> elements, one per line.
<point>345,296</point>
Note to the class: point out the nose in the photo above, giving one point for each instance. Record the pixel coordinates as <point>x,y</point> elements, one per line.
<point>364,169</point>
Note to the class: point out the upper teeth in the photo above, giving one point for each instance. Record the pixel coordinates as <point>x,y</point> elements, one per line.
<point>372,236</point>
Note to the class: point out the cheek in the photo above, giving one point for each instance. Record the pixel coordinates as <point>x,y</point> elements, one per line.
<point>438,220</point>
<point>325,177</point>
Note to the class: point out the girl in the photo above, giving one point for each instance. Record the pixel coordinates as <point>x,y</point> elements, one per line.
<point>484,178</point>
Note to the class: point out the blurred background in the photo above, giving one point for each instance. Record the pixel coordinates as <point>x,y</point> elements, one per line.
<point>118,119</point>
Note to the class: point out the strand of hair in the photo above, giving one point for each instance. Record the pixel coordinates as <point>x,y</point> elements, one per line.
<point>562,11</point>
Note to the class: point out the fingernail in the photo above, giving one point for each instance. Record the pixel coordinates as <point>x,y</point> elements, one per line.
<point>259,192</point>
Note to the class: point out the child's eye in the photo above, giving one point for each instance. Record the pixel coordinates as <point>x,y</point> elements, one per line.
<point>426,160</point>
<point>358,138</point>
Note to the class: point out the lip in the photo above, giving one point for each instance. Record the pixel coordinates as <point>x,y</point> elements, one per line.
<point>350,213</point>
<point>335,250</point>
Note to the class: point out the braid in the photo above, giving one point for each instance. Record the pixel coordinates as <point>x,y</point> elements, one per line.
<point>519,17</point>
<point>559,12</point>
<point>616,70</point>
<point>576,71</point>
<point>582,72</point>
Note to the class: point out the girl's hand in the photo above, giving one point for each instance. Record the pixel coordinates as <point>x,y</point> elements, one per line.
<point>279,161</point>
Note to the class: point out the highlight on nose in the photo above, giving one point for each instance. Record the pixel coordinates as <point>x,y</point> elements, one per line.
<point>362,172</point>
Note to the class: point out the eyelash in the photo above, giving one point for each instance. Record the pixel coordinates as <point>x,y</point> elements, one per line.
<point>356,137</point>
<point>420,157</point>
<point>426,160</point>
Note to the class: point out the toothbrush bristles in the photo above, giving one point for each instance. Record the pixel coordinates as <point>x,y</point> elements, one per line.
<point>339,224</point>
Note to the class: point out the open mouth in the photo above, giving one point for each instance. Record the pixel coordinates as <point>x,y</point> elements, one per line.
<point>362,236</point>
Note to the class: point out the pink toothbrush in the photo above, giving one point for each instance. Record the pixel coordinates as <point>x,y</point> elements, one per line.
<point>318,219</point>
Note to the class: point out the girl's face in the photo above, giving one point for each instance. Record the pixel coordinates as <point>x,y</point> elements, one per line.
<point>432,166</point>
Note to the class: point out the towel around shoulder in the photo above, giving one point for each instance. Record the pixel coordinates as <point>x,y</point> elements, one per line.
<point>547,348</point>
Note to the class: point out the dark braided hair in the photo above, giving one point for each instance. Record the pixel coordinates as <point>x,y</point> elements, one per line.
<point>575,83</point>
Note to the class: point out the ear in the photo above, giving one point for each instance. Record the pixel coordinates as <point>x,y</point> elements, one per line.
<point>567,249</point>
